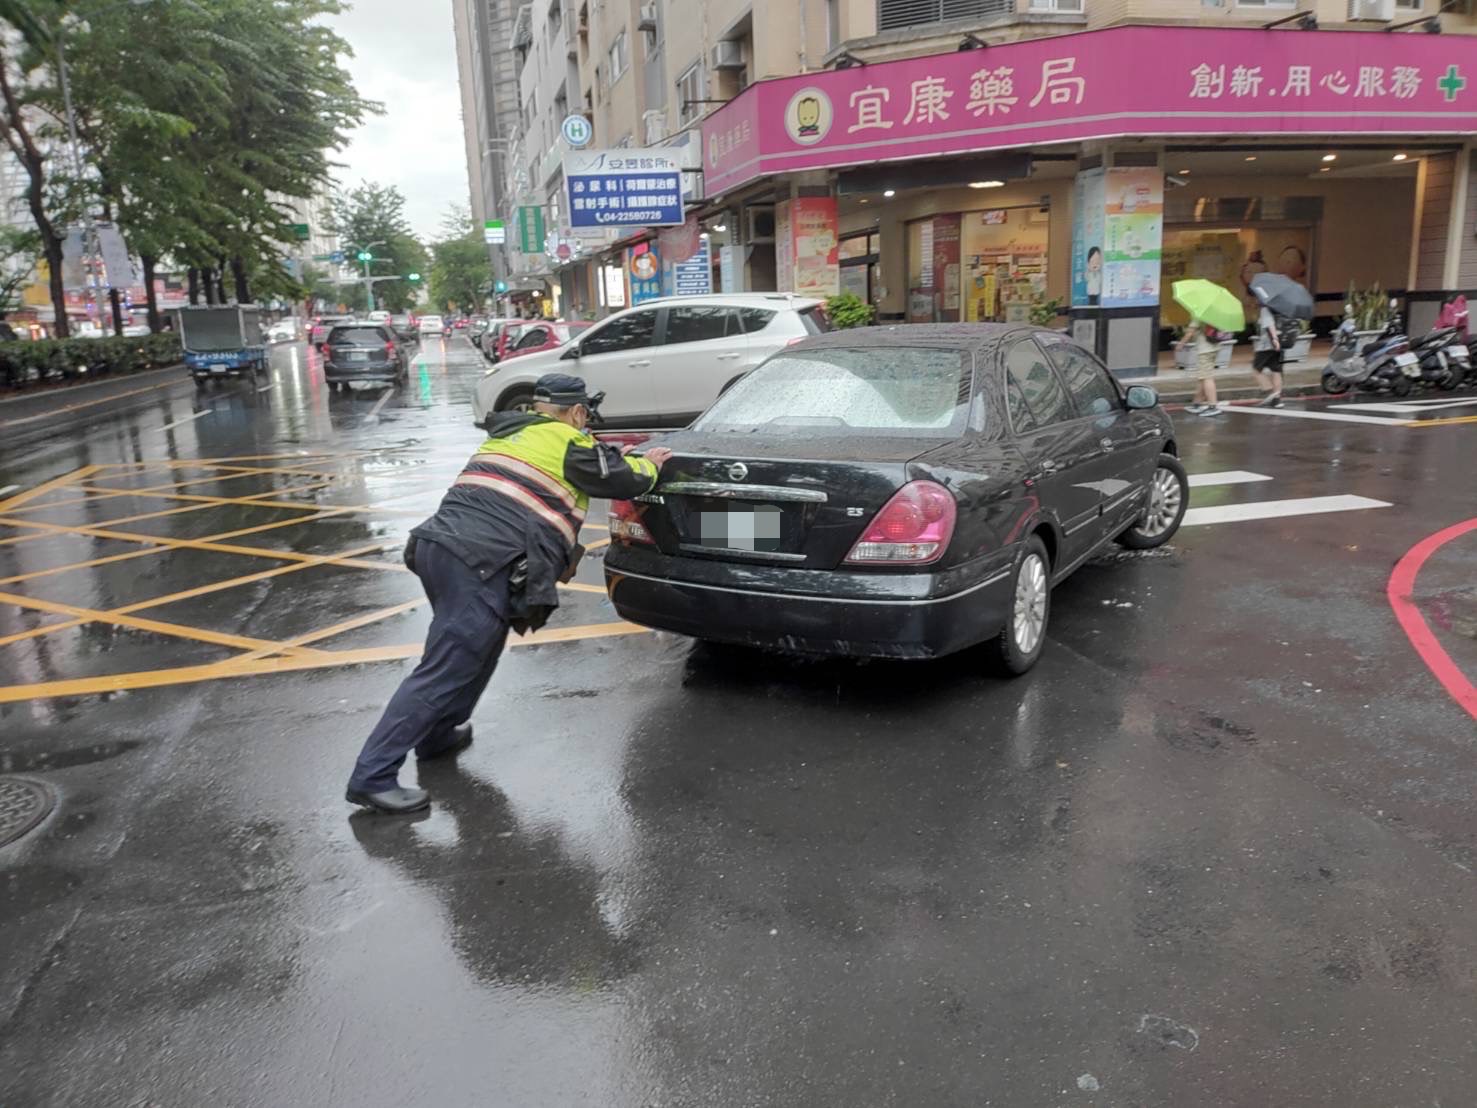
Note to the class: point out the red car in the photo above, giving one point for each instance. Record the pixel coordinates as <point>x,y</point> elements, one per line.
<point>536,335</point>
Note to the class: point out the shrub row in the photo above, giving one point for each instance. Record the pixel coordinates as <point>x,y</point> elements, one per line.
<point>26,363</point>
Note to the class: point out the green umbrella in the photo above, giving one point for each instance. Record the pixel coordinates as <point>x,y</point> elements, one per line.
<point>1209,303</point>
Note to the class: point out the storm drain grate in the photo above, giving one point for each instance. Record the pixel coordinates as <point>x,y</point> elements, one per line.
<point>23,804</point>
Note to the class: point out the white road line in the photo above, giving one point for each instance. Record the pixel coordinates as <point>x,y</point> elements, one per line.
<point>187,419</point>
<point>378,404</point>
<point>8,489</point>
<point>1227,477</point>
<point>1409,407</point>
<point>1273,509</point>
<point>1301,413</point>
<point>266,388</point>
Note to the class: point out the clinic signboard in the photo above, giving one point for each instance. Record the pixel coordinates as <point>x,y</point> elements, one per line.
<point>623,188</point>
<point>694,277</point>
<point>1121,81</point>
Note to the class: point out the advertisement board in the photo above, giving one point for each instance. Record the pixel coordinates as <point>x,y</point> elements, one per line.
<point>623,188</point>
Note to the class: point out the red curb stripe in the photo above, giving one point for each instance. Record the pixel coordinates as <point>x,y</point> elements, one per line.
<point>1399,590</point>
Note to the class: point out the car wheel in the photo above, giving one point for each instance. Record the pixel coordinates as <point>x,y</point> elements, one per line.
<point>1022,638</point>
<point>519,400</point>
<point>1169,496</point>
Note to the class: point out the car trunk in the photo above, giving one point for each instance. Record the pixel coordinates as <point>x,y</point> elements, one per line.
<point>356,351</point>
<point>774,501</point>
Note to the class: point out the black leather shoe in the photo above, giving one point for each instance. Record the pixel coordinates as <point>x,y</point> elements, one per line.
<point>394,802</point>
<point>461,738</point>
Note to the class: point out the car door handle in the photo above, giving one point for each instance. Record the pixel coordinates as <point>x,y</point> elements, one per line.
<point>638,365</point>
<point>728,357</point>
<point>1107,443</point>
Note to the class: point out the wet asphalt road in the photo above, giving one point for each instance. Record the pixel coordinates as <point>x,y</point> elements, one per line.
<point>1216,849</point>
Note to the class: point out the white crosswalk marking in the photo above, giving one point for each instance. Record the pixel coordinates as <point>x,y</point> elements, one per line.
<point>1273,509</point>
<point>1226,477</point>
<point>1303,413</point>
<point>1411,407</point>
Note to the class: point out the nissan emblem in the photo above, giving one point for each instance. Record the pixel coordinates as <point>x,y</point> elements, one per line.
<point>738,471</point>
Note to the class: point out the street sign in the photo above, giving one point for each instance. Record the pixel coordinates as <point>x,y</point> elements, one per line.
<point>336,256</point>
<point>530,229</point>
<point>577,131</point>
<point>623,188</point>
<point>326,258</point>
<point>494,232</point>
<point>693,277</point>
<point>301,231</point>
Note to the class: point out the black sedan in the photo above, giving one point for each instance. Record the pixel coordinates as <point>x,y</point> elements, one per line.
<point>367,352</point>
<point>897,492</point>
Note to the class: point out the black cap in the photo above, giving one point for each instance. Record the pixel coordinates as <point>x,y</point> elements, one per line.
<point>565,391</point>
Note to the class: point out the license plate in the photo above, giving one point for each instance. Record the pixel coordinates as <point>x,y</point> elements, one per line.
<point>217,367</point>
<point>1405,360</point>
<point>1458,354</point>
<point>356,356</point>
<point>756,529</point>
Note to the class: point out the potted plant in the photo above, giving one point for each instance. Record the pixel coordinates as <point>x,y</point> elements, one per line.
<point>1044,313</point>
<point>1371,310</point>
<point>847,309</point>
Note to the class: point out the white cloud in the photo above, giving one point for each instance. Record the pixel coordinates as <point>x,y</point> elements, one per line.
<point>407,62</point>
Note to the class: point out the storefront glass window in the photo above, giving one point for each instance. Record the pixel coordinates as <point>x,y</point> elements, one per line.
<point>977,266</point>
<point>1231,257</point>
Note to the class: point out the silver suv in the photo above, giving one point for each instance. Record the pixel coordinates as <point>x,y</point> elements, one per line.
<point>663,362</point>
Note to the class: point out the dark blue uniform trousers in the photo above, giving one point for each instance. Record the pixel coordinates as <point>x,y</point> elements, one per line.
<point>468,631</point>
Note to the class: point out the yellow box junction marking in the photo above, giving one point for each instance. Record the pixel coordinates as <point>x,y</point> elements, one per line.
<point>257,657</point>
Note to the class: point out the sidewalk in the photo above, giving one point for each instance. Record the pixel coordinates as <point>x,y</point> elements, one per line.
<point>1236,381</point>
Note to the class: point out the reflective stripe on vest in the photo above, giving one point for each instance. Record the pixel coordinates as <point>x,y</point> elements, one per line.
<point>528,468</point>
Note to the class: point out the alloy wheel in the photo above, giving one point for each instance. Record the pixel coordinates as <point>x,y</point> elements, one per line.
<point>1029,619</point>
<point>1164,504</point>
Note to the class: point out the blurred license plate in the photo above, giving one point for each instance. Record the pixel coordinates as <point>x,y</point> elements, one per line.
<point>743,529</point>
<point>1403,360</point>
<point>357,356</point>
<point>217,367</point>
<point>1458,354</point>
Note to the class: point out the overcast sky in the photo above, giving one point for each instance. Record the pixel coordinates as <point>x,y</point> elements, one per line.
<point>405,58</point>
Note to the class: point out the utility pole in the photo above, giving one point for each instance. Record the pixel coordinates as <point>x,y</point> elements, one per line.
<point>365,256</point>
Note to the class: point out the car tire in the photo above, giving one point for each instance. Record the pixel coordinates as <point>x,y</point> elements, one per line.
<point>1021,640</point>
<point>1169,496</point>
<point>516,400</point>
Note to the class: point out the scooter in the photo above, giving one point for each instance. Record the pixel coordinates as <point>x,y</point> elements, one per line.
<point>1384,365</point>
<point>1438,358</point>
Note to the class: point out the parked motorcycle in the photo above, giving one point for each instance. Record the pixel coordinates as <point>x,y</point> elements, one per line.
<point>1440,363</point>
<point>1383,365</point>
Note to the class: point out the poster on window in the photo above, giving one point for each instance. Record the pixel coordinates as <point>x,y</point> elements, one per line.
<point>817,245</point>
<point>645,266</point>
<point>1087,239</point>
<point>946,231</point>
<point>784,254</point>
<point>1133,236</point>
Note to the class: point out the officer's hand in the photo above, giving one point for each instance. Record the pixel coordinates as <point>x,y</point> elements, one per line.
<point>658,456</point>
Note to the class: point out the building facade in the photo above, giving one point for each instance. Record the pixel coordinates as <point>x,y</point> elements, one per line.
<point>995,159</point>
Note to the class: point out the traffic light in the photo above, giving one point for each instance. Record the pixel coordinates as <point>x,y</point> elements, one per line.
<point>365,256</point>
<point>501,286</point>
<point>412,276</point>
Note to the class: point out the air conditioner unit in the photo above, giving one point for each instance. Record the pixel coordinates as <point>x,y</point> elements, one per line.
<point>647,22</point>
<point>1381,11</point>
<point>655,124</point>
<point>729,54</point>
<point>760,220</point>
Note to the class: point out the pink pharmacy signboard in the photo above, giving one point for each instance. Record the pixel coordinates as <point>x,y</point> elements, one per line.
<point>1137,81</point>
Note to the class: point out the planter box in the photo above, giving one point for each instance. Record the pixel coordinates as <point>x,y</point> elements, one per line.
<point>1300,349</point>
<point>1184,357</point>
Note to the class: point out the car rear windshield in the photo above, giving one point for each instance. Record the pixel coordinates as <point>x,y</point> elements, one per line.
<point>911,390</point>
<point>816,321</point>
<point>363,336</point>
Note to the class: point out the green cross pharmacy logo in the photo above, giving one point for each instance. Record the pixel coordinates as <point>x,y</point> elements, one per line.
<point>1452,83</point>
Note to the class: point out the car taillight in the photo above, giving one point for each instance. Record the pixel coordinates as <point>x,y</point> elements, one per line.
<point>913,528</point>
<point>797,338</point>
<point>390,349</point>
<point>625,523</point>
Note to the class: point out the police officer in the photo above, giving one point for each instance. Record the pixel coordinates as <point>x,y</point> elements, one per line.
<point>491,558</point>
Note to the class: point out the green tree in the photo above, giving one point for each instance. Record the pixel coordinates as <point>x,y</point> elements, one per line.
<point>18,250</point>
<point>372,217</point>
<point>460,271</point>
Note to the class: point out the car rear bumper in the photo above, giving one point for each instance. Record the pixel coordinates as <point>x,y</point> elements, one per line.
<point>387,371</point>
<point>900,616</point>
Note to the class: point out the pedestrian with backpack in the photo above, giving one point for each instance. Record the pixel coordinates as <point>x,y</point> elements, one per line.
<point>1204,340</point>
<point>1266,362</point>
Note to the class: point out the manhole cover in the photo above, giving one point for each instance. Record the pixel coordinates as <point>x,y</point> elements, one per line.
<point>23,804</point>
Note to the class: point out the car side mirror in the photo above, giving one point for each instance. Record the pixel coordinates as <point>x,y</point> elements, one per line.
<point>1141,398</point>
<point>573,352</point>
